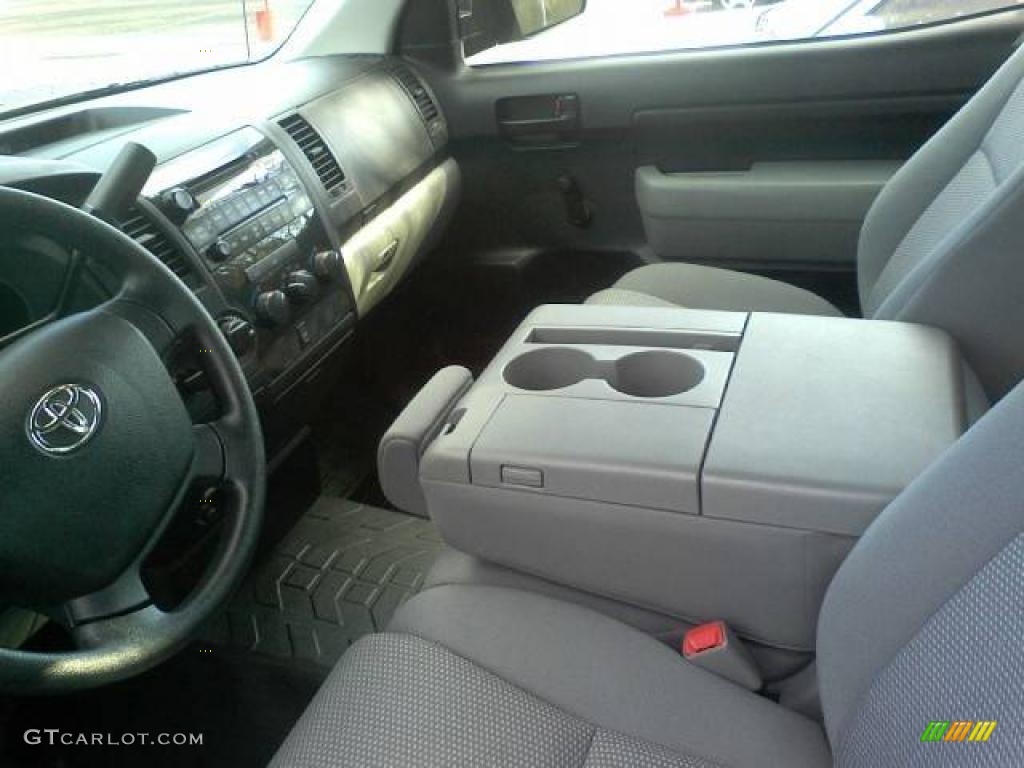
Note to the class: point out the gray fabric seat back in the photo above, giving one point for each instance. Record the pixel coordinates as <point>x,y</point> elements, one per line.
<point>925,620</point>
<point>944,242</point>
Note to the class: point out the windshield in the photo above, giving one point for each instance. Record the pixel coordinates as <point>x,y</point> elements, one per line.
<point>50,49</point>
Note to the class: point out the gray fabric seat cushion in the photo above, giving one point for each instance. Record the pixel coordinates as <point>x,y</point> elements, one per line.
<point>474,676</point>
<point>397,700</point>
<point>697,287</point>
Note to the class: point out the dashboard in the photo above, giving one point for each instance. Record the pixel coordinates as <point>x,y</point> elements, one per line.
<point>291,198</point>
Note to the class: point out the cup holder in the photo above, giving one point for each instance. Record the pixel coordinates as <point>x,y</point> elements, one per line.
<point>550,368</point>
<point>648,374</point>
<point>656,373</point>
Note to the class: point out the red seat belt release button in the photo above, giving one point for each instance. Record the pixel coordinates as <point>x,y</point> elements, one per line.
<point>716,648</point>
<point>707,637</point>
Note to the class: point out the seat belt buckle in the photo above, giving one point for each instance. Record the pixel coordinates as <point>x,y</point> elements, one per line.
<point>715,647</point>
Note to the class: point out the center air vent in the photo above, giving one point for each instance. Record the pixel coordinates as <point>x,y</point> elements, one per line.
<point>315,149</point>
<point>420,95</point>
<point>143,231</point>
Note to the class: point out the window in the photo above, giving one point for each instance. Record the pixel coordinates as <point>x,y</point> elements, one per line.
<point>608,27</point>
<point>57,48</point>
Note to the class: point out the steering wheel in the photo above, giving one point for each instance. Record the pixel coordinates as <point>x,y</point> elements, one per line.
<point>97,452</point>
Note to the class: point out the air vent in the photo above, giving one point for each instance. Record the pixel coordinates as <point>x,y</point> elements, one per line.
<point>424,103</point>
<point>315,149</point>
<point>143,231</point>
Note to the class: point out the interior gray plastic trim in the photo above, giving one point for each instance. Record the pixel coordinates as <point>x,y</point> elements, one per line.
<point>614,319</point>
<point>772,191</point>
<point>630,337</point>
<point>821,422</point>
<point>826,420</point>
<point>794,212</point>
<point>398,456</point>
<point>447,459</point>
<point>768,583</point>
<point>641,454</point>
<point>695,377</point>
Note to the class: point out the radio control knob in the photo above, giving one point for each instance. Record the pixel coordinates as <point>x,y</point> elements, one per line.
<point>219,251</point>
<point>178,203</point>
<point>301,286</point>
<point>240,334</point>
<point>272,307</point>
<point>329,265</point>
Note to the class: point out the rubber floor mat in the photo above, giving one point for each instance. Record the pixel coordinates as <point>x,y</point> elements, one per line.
<point>339,574</point>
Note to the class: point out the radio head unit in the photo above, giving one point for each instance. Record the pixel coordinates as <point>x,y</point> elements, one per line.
<point>246,212</point>
<point>243,207</point>
<point>238,202</point>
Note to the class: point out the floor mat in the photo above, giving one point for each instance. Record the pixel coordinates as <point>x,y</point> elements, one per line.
<point>338,575</point>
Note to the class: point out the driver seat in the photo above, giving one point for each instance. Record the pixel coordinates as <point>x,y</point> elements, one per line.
<point>924,622</point>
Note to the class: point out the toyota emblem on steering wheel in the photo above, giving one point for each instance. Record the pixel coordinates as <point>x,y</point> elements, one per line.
<point>64,419</point>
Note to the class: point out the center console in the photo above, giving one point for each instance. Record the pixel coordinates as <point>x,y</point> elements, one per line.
<point>242,207</point>
<point>699,464</point>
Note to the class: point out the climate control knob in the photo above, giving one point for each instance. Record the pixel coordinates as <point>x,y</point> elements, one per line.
<point>240,334</point>
<point>301,286</point>
<point>219,251</point>
<point>329,265</point>
<point>272,307</point>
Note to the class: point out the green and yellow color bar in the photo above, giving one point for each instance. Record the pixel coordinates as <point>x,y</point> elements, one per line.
<point>959,730</point>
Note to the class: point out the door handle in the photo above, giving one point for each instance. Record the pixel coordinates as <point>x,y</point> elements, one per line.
<point>548,120</point>
<point>539,124</point>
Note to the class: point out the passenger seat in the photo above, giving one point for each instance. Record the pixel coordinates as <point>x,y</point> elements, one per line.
<point>940,246</point>
<point>923,623</point>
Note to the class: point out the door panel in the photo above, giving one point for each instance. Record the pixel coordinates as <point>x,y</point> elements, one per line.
<point>772,212</point>
<point>863,99</point>
<point>728,138</point>
<point>949,59</point>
